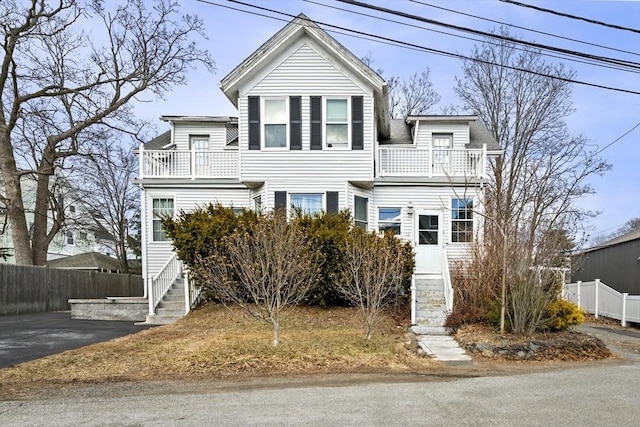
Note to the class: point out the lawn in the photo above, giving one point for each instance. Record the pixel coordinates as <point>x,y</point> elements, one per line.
<point>215,342</point>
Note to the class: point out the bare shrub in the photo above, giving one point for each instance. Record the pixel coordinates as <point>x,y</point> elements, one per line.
<point>275,266</point>
<point>372,272</point>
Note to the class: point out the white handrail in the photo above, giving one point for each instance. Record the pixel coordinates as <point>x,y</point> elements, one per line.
<point>160,284</point>
<point>446,279</point>
<point>429,162</point>
<point>189,163</point>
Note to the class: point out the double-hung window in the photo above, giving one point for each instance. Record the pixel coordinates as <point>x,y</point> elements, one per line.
<point>389,219</point>
<point>275,123</point>
<point>461,220</point>
<point>361,212</point>
<point>337,122</point>
<point>161,208</point>
<point>307,204</point>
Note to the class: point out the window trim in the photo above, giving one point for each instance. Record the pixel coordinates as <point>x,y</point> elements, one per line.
<point>153,219</point>
<point>264,123</point>
<point>399,222</point>
<point>472,221</point>
<point>325,122</point>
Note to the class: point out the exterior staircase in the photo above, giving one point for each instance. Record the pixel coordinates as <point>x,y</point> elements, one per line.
<point>431,307</point>
<point>171,307</point>
<point>431,314</point>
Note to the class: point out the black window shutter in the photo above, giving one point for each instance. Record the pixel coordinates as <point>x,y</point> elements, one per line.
<point>357,131</point>
<point>254,123</point>
<point>295,119</point>
<point>281,200</point>
<point>316,123</point>
<point>332,202</point>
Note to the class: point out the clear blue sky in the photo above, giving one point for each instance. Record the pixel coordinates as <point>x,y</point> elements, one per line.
<point>602,115</point>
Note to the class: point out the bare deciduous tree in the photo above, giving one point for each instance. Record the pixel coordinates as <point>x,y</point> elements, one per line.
<point>274,264</point>
<point>107,187</point>
<point>60,85</point>
<point>372,274</point>
<point>413,96</point>
<point>543,172</point>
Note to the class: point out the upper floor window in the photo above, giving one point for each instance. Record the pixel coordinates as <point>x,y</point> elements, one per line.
<point>161,208</point>
<point>461,220</point>
<point>70,240</point>
<point>275,123</point>
<point>390,219</point>
<point>337,122</point>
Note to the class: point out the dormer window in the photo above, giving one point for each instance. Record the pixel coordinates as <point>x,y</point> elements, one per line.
<point>337,122</point>
<point>275,123</point>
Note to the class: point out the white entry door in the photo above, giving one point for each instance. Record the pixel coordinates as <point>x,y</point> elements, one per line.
<point>429,242</point>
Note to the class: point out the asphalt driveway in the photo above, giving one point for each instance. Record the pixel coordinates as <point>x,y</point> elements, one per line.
<point>32,336</point>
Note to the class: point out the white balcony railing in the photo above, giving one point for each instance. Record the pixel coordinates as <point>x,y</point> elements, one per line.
<point>412,162</point>
<point>188,163</point>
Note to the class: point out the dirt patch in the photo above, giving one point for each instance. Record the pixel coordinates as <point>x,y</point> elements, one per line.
<point>483,341</point>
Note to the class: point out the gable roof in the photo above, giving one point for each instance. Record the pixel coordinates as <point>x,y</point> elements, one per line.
<point>627,237</point>
<point>298,27</point>
<point>159,141</point>
<point>86,261</point>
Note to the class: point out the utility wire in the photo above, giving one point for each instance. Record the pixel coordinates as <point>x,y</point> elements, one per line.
<point>566,15</point>
<point>410,45</point>
<point>524,28</point>
<point>616,140</point>
<point>491,42</point>
<point>630,64</point>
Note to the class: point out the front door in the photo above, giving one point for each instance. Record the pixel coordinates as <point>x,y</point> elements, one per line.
<point>429,242</point>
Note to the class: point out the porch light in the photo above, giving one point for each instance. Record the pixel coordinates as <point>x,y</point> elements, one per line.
<point>410,208</point>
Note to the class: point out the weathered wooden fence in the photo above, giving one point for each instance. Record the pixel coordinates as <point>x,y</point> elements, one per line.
<point>599,299</point>
<point>28,289</point>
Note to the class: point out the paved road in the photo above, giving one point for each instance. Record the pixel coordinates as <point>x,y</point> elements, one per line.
<point>594,396</point>
<point>604,393</point>
<point>31,336</point>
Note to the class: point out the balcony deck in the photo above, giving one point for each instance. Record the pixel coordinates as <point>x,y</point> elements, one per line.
<point>406,162</point>
<point>428,163</point>
<point>189,164</point>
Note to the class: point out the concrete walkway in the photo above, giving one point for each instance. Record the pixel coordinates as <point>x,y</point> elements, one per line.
<point>32,336</point>
<point>443,348</point>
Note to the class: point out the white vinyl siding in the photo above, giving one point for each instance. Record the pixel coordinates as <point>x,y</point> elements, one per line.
<point>183,132</point>
<point>425,198</point>
<point>306,71</point>
<point>429,131</point>
<point>186,199</point>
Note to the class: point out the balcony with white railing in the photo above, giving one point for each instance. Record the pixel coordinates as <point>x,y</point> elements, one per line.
<point>188,163</point>
<point>431,162</point>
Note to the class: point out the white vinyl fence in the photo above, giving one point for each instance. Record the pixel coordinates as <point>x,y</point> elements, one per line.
<point>599,299</point>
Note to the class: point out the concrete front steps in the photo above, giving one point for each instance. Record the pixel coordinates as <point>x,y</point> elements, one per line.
<point>171,307</point>
<point>431,314</point>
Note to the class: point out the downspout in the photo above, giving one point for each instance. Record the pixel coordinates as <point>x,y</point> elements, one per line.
<point>413,299</point>
<point>143,241</point>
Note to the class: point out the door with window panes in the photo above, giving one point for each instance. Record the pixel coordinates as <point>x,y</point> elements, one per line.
<point>428,242</point>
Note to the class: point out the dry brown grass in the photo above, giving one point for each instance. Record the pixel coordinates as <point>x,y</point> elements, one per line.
<point>213,342</point>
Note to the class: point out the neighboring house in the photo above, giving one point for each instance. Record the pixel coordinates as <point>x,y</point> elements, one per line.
<point>90,261</point>
<point>313,132</point>
<point>615,262</point>
<point>82,231</point>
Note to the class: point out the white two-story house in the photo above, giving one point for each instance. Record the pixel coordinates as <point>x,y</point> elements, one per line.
<point>313,132</point>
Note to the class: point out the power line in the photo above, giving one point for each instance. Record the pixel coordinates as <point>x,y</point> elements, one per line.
<point>412,46</point>
<point>563,57</point>
<point>566,15</point>
<point>621,62</point>
<point>525,28</point>
<point>616,140</point>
